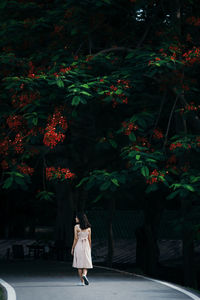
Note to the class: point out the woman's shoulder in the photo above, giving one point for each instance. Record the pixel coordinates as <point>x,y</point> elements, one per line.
<point>77,226</point>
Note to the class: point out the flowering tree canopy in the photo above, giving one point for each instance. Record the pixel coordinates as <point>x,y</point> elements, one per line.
<point>115,83</point>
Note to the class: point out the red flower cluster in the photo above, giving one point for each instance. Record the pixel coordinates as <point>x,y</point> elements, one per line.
<point>14,121</point>
<point>198,141</point>
<point>58,173</point>
<point>192,56</point>
<point>4,146</point>
<point>190,107</point>
<point>24,99</point>
<point>53,134</point>
<point>121,97</point>
<point>129,127</point>
<point>17,143</point>
<point>157,134</point>
<point>154,177</point>
<point>193,21</point>
<point>64,70</point>
<point>173,146</point>
<point>24,169</point>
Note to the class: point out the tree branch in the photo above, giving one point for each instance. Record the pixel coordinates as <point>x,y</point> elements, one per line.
<point>113,49</point>
<point>159,113</point>
<point>169,121</point>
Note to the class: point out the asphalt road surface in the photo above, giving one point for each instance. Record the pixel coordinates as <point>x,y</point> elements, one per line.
<point>52,280</point>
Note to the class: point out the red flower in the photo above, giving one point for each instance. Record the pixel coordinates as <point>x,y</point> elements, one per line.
<point>53,134</point>
<point>64,70</point>
<point>129,127</point>
<point>157,134</point>
<point>53,173</point>
<point>14,121</point>
<point>154,176</point>
<point>24,169</point>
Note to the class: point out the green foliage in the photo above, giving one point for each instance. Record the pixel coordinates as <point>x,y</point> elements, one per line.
<point>83,59</point>
<point>45,195</point>
<point>16,180</point>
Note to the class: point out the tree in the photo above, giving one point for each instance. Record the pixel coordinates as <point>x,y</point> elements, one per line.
<point>102,92</point>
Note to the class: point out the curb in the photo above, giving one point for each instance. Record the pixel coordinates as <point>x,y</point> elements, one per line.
<point>171,285</point>
<point>11,295</point>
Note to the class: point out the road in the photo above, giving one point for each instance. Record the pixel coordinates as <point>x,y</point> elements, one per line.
<point>52,280</point>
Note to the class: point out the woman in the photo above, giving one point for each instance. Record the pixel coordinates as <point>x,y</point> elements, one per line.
<point>81,248</point>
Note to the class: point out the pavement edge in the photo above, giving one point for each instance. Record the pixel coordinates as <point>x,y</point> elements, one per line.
<point>171,285</point>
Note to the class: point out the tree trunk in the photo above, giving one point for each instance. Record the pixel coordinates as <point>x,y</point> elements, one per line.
<point>63,226</point>
<point>147,250</point>
<point>188,245</point>
<point>111,210</point>
<point>188,259</point>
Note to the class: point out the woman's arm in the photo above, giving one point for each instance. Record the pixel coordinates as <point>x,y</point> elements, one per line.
<point>89,238</point>
<point>75,239</point>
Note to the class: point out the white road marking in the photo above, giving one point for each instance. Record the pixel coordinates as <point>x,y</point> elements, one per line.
<point>11,295</point>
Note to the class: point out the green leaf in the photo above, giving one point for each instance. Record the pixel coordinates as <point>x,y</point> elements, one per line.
<point>76,100</point>
<point>119,92</point>
<point>115,181</point>
<point>137,156</point>
<point>35,121</point>
<point>189,187</point>
<point>132,137</point>
<point>97,198</point>
<point>130,55</point>
<point>85,93</point>
<point>172,195</point>
<point>113,143</point>
<point>19,181</point>
<point>82,100</point>
<point>45,195</point>
<point>8,182</point>
<point>145,171</point>
<point>18,174</point>
<point>81,182</point>
<point>194,179</point>
<point>60,83</point>
<point>85,86</point>
<point>105,186</point>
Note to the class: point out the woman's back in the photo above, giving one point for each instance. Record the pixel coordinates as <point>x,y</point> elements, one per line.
<point>83,233</point>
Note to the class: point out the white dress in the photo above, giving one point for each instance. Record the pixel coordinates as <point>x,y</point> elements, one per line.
<point>82,251</point>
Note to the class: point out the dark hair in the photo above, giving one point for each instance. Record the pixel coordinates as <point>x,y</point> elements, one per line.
<point>83,220</point>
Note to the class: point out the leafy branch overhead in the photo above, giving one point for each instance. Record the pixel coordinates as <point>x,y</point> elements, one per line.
<point>86,99</point>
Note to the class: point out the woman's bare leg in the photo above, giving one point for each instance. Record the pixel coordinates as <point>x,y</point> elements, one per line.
<point>85,272</point>
<point>80,274</point>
